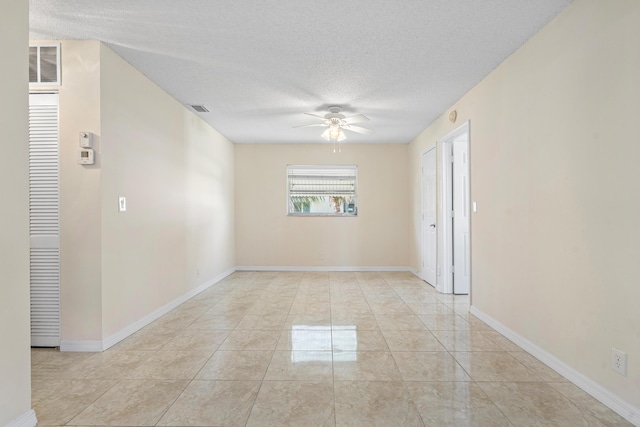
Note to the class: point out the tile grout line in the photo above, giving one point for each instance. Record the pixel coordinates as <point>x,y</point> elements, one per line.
<point>404,382</point>
<point>190,380</point>
<point>265,371</point>
<point>333,371</point>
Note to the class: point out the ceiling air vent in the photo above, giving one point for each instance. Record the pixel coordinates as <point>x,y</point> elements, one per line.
<point>199,108</point>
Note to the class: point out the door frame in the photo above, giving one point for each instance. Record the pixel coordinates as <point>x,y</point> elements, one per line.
<point>445,236</point>
<point>423,222</point>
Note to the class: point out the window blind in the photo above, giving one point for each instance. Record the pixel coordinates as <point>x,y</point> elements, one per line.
<point>306,181</point>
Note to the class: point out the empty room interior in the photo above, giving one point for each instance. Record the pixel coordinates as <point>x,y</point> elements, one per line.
<point>312,213</point>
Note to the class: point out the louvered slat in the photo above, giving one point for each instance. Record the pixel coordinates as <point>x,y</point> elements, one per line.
<point>44,220</point>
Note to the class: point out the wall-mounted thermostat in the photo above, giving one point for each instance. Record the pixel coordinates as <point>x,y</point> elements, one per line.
<point>86,140</point>
<point>85,156</point>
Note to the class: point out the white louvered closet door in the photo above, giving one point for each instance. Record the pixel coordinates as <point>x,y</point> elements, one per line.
<point>44,220</point>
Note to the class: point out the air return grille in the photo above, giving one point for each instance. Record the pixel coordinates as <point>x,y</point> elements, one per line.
<point>44,64</point>
<point>200,108</point>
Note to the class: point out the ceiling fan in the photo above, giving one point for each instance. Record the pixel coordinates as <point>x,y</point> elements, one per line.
<point>335,123</point>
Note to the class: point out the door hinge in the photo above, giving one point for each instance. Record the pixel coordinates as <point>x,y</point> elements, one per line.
<point>453,213</point>
<point>453,268</point>
<point>451,159</point>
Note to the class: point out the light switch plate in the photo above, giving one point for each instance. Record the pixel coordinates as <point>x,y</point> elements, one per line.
<point>475,207</point>
<point>122,204</point>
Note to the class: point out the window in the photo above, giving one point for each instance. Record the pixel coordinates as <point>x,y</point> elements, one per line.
<point>322,190</point>
<point>44,64</point>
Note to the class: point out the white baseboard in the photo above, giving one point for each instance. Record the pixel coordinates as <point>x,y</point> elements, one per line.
<point>317,268</point>
<point>28,419</point>
<point>615,403</point>
<point>82,346</point>
<point>97,346</point>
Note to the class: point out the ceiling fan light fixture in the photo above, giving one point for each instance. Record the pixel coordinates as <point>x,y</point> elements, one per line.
<point>336,125</point>
<point>333,133</point>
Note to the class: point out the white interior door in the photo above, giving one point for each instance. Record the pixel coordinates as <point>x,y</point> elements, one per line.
<point>429,234</point>
<point>44,220</point>
<point>461,220</point>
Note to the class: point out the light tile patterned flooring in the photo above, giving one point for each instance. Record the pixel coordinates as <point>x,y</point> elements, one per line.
<point>311,349</point>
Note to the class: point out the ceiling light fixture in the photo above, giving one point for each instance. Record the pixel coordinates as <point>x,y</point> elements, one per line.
<point>334,134</point>
<point>336,124</point>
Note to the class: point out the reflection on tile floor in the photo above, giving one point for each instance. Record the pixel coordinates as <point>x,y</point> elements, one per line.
<point>315,348</point>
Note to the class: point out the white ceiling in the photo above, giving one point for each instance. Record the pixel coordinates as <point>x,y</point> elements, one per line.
<point>259,65</point>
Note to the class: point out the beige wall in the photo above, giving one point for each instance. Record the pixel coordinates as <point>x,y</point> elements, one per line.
<point>15,369</point>
<point>555,241</point>
<point>266,236</point>
<point>80,186</point>
<point>210,200</point>
<point>177,175</point>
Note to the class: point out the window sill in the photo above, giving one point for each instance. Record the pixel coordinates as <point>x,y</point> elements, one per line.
<point>338,215</point>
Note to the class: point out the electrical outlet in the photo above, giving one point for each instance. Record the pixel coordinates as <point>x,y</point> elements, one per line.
<point>321,255</point>
<point>619,361</point>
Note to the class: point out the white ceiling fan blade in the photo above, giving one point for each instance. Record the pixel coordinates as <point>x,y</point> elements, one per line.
<point>311,125</point>
<point>315,115</point>
<point>358,118</point>
<point>358,129</point>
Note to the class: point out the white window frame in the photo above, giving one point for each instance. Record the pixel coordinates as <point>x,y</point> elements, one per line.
<point>331,171</point>
<point>38,72</point>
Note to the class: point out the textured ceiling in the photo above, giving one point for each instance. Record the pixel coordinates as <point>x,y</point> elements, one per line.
<point>259,65</point>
